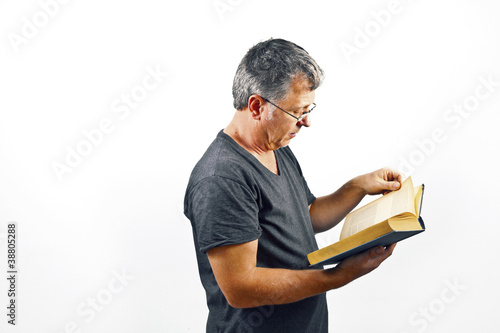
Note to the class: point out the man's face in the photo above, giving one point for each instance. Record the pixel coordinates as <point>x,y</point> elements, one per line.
<point>281,127</point>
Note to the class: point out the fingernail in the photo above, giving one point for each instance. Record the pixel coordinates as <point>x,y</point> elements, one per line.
<point>379,250</point>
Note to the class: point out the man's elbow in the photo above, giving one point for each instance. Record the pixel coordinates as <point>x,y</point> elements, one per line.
<point>238,298</point>
<point>238,303</point>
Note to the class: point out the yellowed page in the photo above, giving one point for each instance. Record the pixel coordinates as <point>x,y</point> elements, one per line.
<point>387,206</point>
<point>405,223</point>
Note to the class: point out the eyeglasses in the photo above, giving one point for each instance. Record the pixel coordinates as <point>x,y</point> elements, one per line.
<point>302,116</point>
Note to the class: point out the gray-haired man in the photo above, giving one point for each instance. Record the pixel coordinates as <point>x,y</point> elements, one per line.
<point>252,213</point>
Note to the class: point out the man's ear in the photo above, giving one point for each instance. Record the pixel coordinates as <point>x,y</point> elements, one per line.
<point>256,106</point>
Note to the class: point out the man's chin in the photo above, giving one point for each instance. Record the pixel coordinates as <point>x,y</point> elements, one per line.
<point>284,143</point>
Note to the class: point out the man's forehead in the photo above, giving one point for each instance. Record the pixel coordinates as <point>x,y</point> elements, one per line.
<point>300,84</point>
<point>300,92</point>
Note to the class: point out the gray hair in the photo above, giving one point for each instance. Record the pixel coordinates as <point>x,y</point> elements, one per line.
<point>269,68</point>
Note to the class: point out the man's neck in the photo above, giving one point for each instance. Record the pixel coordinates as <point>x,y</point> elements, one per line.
<point>248,136</point>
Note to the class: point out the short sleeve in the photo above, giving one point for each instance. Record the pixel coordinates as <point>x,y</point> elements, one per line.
<point>222,212</point>
<point>309,195</point>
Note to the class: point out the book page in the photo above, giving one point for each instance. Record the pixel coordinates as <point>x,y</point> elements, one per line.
<point>387,206</point>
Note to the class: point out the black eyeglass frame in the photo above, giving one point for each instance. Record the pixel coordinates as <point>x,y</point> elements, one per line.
<point>302,116</point>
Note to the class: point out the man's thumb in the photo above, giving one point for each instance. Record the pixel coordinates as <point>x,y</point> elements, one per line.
<point>394,185</point>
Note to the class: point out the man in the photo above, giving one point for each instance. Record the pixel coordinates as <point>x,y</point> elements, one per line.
<point>252,213</point>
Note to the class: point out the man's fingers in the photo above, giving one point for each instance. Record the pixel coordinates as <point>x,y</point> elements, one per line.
<point>392,174</point>
<point>394,185</point>
<point>389,186</point>
<point>380,251</point>
<point>390,249</point>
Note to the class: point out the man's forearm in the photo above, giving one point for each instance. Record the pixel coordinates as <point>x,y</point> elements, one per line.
<point>272,286</point>
<point>244,284</point>
<point>326,212</point>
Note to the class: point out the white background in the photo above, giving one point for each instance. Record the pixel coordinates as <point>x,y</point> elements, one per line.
<point>119,211</point>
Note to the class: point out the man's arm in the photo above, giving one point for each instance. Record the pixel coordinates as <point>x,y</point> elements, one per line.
<point>246,285</point>
<point>326,212</point>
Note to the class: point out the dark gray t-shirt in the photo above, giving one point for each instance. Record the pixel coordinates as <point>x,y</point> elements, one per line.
<point>232,198</point>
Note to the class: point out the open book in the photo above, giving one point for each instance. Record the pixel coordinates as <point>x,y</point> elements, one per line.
<point>384,221</point>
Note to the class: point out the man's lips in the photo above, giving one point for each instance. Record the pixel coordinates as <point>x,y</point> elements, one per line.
<point>294,134</point>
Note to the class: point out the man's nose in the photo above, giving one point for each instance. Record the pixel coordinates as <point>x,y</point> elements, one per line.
<point>306,121</point>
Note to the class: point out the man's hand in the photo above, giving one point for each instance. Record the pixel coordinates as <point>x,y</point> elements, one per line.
<point>363,263</point>
<point>328,211</point>
<point>381,181</point>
